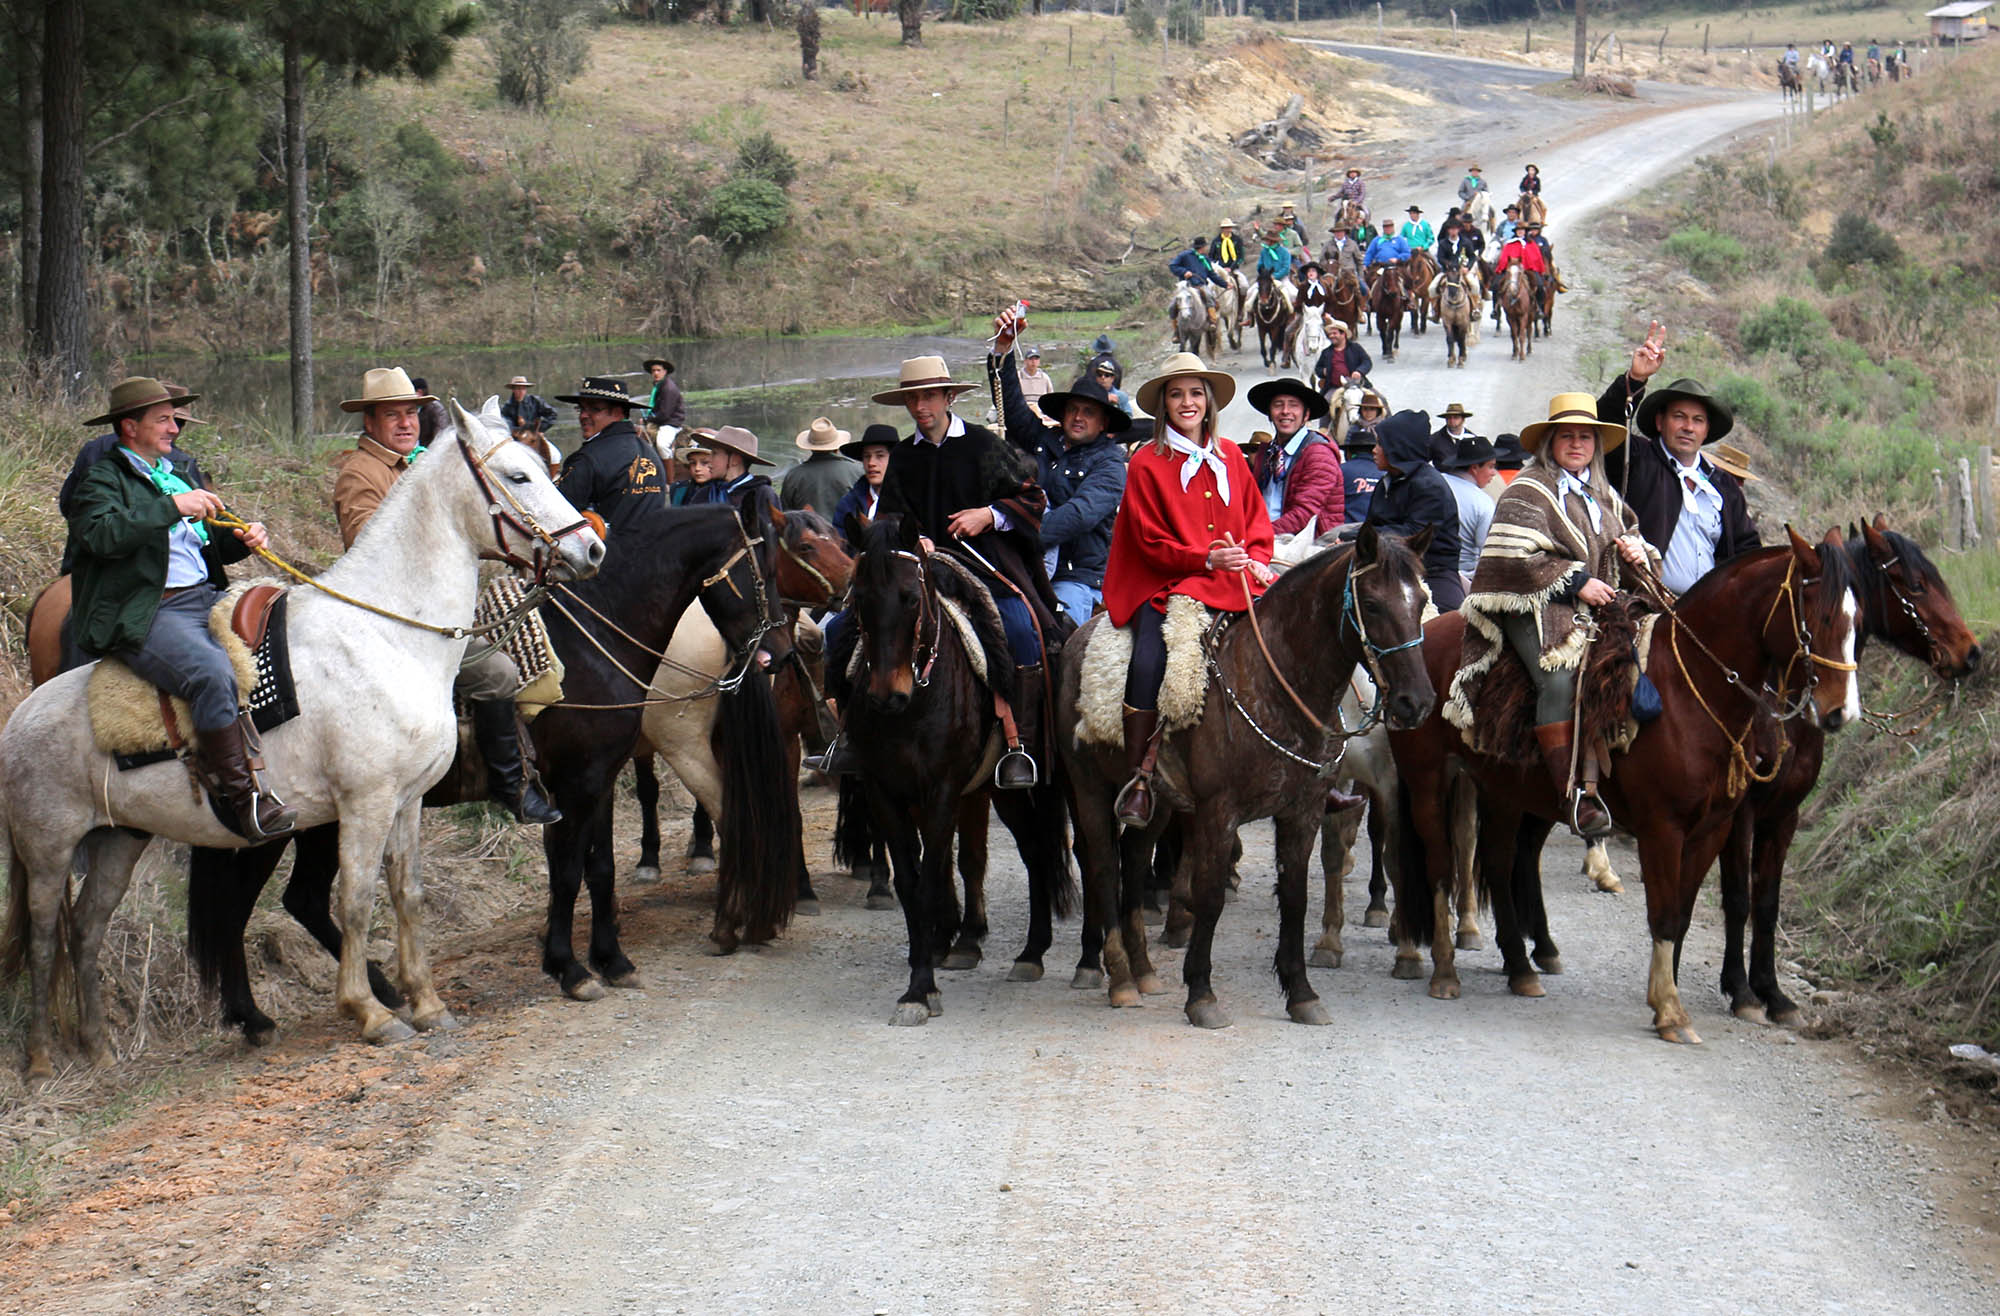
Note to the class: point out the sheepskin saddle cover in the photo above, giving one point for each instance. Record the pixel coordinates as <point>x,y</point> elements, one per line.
<point>1108,653</point>
<point>1504,726</point>
<point>125,708</point>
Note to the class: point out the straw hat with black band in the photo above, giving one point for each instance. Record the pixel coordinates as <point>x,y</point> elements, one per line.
<point>1221,386</point>
<point>1573,409</point>
<point>918,374</point>
<point>1720,419</point>
<point>131,396</point>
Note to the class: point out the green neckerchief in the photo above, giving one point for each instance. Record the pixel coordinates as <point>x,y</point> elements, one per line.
<point>169,482</point>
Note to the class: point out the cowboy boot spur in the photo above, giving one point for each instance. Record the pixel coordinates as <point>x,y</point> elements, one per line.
<point>236,762</point>
<point>1585,814</point>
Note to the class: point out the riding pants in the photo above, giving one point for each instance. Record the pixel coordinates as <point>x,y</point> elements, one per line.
<point>1078,599</point>
<point>1149,658</point>
<point>489,679</point>
<point>181,657</point>
<point>1555,692</point>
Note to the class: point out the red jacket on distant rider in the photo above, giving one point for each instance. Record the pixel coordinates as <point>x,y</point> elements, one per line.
<point>1527,253</point>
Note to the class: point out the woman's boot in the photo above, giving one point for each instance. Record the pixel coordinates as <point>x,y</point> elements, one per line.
<point>1142,746</point>
<point>1586,815</point>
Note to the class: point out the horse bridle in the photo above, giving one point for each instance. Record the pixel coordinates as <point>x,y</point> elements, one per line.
<point>834,597</point>
<point>518,518</point>
<point>1935,651</point>
<point>767,621</point>
<point>926,611</point>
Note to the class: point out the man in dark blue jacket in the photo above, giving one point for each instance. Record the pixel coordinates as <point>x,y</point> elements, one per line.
<point>1192,266</point>
<point>1081,467</point>
<point>1415,497</point>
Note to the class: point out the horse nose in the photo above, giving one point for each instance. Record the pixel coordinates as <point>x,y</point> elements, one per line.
<point>594,555</point>
<point>1972,660</point>
<point>1834,721</point>
<point>892,703</point>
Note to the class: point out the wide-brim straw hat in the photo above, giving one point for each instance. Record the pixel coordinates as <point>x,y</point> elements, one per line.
<point>821,436</point>
<point>877,435</point>
<point>385,384</point>
<point>1220,385</point>
<point>1263,395</point>
<point>1734,460</point>
<point>1227,223</point>
<point>520,381</point>
<point>600,388</point>
<point>1720,419</point>
<point>920,373</point>
<point>1573,409</point>
<point>737,439</point>
<point>137,394</point>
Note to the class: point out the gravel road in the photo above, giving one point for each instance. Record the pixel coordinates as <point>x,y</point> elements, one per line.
<point>747,1135</point>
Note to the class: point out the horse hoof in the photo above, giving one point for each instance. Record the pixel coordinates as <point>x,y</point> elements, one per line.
<point>1610,885</point>
<point>879,900</point>
<point>1149,984</point>
<point>935,1004</point>
<point>909,1014</point>
<point>1407,970</point>
<point>1550,964</point>
<point>1470,941</point>
<point>1789,1017</point>
<point>1753,1013</point>
<point>1124,996</point>
<point>646,873</point>
<point>1176,938</point>
<point>390,1033</point>
<point>1309,1012</point>
<point>443,1021</point>
<point>700,866</point>
<point>1323,958</point>
<point>628,981</point>
<point>1681,1034</point>
<point>1207,1014</point>
<point>1375,918</point>
<point>260,1034</point>
<point>1086,980</point>
<point>1445,989</point>
<point>1024,971</point>
<point>1525,984</point>
<point>807,908</point>
<point>960,958</point>
<point>585,989</point>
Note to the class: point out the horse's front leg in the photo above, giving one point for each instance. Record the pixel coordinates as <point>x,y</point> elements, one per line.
<point>1735,878</point>
<point>1206,837</point>
<point>1338,834</point>
<point>1660,867</point>
<point>1464,843</point>
<point>1295,837</point>
<point>1774,842</point>
<point>600,875</point>
<point>364,836</point>
<point>562,845</point>
<point>1034,819</point>
<point>919,842</point>
<point>401,865</point>
<point>967,945</point>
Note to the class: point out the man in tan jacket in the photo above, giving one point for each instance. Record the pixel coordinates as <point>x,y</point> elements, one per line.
<point>391,407</point>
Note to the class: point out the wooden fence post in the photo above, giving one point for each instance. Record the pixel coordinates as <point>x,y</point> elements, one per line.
<point>1662,53</point>
<point>1528,38</point>
<point>1069,61</point>
<point>1704,38</point>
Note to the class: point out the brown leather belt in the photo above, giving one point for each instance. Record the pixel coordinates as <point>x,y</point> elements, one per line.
<point>177,589</point>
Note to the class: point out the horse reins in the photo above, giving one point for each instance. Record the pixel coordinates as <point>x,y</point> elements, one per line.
<point>1927,706</point>
<point>928,609</point>
<point>519,518</point>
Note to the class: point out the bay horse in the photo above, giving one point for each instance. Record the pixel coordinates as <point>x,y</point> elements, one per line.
<point>1676,788</point>
<point>679,724</point>
<point>924,725</point>
<point>1348,301</point>
<point>1189,314</point>
<point>1262,749</point>
<point>1905,602</point>
<point>374,730</point>
<point>1532,209</point>
<point>1422,269</point>
<point>611,636</point>
<point>1456,313</point>
<point>1272,313</point>
<point>1387,297</point>
<point>1790,87</point>
<point>1542,320</point>
<point>1516,297</point>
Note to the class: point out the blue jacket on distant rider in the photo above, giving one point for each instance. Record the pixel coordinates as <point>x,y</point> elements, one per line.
<point>1192,266</point>
<point>1386,248</point>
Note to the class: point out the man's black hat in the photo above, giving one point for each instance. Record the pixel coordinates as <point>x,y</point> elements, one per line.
<point>1086,389</point>
<point>1265,393</point>
<point>1509,453</point>
<point>600,388</point>
<point>1469,452</point>
<point>1720,419</point>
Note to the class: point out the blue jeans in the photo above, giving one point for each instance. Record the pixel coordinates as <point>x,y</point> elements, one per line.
<point>1078,599</point>
<point>182,658</point>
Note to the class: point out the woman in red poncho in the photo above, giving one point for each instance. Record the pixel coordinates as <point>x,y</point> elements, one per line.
<point>1193,522</point>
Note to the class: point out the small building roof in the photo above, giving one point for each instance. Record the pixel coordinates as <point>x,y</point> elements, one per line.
<point>1962,9</point>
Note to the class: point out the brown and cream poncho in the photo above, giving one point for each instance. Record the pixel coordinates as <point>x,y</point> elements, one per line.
<point>1538,554</point>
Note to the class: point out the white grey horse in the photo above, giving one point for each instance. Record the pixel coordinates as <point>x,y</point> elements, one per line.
<point>1189,313</point>
<point>375,729</point>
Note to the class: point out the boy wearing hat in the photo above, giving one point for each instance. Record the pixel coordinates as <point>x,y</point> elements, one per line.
<point>141,577</point>
<point>825,475</point>
<point>527,414</point>
<point>871,451</point>
<point>1417,231</point>
<point>1466,469</point>
<point>697,458</point>
<point>1080,467</point>
<point>1413,497</point>
<point>1359,475</point>
<point>391,419</point>
<point>731,478</point>
<point>664,407</point>
<point>614,465</point>
<point>1694,514</point>
<point>1298,471</point>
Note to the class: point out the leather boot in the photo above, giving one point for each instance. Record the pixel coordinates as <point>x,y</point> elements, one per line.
<point>838,760</point>
<point>1586,814</point>
<point>499,739</point>
<point>235,759</point>
<point>1142,749</point>
<point>1018,769</point>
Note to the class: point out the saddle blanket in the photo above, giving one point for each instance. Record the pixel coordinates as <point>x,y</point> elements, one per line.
<point>125,719</point>
<point>1107,653</point>
<point>1503,725</point>
<point>526,642</point>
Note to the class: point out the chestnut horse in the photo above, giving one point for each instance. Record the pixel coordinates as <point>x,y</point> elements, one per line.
<point>1422,269</point>
<point>1387,298</point>
<point>1271,309</point>
<point>1516,296</point>
<point>1905,602</point>
<point>1270,695</point>
<point>1688,771</point>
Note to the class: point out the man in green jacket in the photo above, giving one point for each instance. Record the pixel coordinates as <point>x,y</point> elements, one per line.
<point>142,593</point>
<point>1417,231</point>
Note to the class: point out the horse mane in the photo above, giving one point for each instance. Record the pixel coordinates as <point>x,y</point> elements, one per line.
<point>958,583</point>
<point>798,524</point>
<point>1833,564</point>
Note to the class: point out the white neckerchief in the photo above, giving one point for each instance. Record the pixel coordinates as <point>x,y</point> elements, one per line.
<point>1691,498</point>
<point>1197,457</point>
<point>1568,484</point>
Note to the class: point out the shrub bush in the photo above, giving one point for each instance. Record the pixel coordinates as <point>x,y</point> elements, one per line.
<point>742,212</point>
<point>1787,325</point>
<point>1708,255</point>
<point>1859,240</point>
<point>1141,21</point>
<point>761,156</point>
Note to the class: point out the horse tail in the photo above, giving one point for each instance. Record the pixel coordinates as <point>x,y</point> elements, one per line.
<point>761,850</point>
<point>853,828</point>
<point>1413,918</point>
<point>1051,848</point>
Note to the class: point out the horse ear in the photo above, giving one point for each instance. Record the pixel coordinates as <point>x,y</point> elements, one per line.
<point>1366,545</point>
<point>855,527</point>
<point>1831,538</point>
<point>777,516</point>
<point>1421,540</point>
<point>1879,550</point>
<point>907,533</point>
<point>1802,549</point>
<point>1881,521</point>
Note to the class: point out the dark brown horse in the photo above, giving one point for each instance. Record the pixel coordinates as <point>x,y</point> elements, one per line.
<point>1905,602</point>
<point>1271,311</point>
<point>925,728</point>
<point>1677,788</point>
<point>1348,301</point>
<point>1422,269</point>
<point>1262,749</point>
<point>1516,297</point>
<point>1388,297</point>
